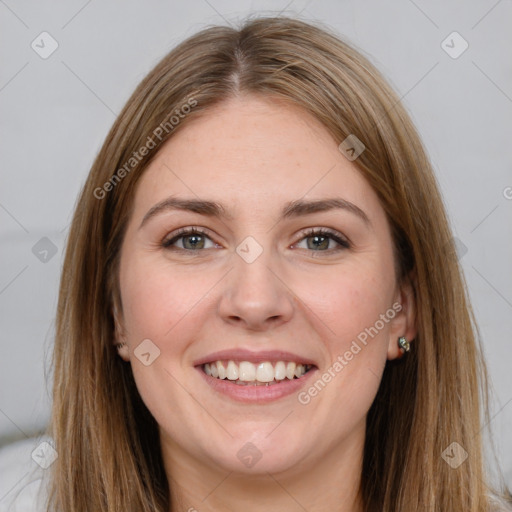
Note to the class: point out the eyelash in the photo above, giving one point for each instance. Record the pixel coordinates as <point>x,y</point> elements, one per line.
<point>181,233</point>
<point>342,242</point>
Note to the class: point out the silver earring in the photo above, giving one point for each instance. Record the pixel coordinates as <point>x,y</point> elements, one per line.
<point>404,344</point>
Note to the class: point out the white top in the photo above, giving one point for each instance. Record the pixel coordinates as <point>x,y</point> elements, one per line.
<point>22,475</point>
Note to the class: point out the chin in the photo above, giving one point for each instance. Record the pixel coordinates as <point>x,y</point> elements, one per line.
<point>257,453</point>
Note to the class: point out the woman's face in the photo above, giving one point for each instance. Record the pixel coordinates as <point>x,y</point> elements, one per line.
<point>290,270</point>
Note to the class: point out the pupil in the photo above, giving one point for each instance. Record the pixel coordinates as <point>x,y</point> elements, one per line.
<point>320,242</point>
<point>196,241</point>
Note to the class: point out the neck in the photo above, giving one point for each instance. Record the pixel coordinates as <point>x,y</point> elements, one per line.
<point>329,482</point>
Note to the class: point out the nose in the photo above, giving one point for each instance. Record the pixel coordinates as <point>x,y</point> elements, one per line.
<point>255,296</point>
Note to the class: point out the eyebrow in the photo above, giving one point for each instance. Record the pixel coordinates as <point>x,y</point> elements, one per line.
<point>292,209</point>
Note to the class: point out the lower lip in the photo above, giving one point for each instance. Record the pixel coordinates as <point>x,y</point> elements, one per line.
<point>257,394</point>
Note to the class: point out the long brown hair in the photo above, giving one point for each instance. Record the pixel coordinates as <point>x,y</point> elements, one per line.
<point>108,444</point>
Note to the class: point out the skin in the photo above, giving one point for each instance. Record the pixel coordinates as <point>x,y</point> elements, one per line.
<point>255,155</point>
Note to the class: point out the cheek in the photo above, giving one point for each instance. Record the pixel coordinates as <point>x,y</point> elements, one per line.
<point>156,298</point>
<point>158,304</point>
<point>352,299</point>
<point>355,302</point>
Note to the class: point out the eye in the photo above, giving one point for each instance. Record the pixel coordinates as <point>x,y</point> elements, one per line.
<point>317,240</point>
<point>323,240</point>
<point>188,239</point>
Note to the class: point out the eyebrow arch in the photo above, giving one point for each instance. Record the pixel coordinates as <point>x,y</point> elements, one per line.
<point>301,207</point>
<point>292,209</point>
<point>201,206</point>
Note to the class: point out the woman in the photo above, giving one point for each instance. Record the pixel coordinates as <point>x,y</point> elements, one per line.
<point>259,242</point>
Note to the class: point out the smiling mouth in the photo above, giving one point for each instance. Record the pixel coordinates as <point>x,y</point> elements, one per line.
<point>265,373</point>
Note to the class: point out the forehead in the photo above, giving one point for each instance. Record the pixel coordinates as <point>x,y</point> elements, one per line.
<point>253,154</point>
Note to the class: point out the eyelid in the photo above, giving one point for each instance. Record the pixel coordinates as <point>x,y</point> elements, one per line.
<point>342,240</point>
<point>326,231</point>
<point>183,232</point>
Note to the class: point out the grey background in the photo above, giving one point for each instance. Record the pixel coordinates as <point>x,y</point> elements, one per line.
<point>55,113</point>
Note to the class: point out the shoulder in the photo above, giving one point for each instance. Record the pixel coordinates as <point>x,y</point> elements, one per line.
<point>23,475</point>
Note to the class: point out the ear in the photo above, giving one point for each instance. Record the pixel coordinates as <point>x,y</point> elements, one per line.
<point>404,323</point>
<point>119,335</point>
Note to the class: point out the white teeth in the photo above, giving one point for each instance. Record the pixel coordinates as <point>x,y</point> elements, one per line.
<point>232,371</point>
<point>245,372</point>
<point>280,371</point>
<point>265,372</point>
<point>290,370</point>
<point>221,370</point>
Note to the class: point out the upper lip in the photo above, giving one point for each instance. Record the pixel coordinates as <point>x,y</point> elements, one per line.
<point>241,354</point>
